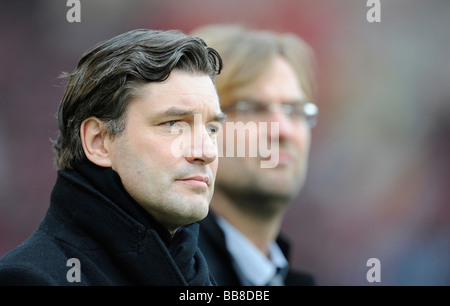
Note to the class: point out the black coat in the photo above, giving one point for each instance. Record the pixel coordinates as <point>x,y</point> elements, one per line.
<point>220,261</point>
<point>93,219</point>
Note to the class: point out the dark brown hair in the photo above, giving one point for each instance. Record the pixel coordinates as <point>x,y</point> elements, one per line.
<point>108,76</point>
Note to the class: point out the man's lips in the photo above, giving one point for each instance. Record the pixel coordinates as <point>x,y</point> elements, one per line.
<point>198,180</point>
<point>282,157</point>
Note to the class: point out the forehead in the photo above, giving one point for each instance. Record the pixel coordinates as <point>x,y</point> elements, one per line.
<point>279,82</point>
<point>180,88</point>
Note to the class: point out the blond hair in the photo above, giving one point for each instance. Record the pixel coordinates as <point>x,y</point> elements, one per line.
<point>247,52</point>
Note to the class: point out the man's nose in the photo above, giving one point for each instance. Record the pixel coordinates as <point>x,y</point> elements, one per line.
<point>203,149</point>
<point>285,124</point>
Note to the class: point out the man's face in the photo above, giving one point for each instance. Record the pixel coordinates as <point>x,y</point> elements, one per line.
<point>244,176</point>
<point>175,190</point>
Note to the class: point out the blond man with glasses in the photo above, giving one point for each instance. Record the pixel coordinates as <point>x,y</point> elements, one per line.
<point>267,78</point>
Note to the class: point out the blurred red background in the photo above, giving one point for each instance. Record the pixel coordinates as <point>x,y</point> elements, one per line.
<point>378,181</point>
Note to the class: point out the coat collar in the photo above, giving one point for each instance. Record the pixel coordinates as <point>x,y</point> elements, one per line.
<point>92,201</point>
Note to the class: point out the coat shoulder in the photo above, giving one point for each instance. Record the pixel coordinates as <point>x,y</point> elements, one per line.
<point>30,264</point>
<point>24,275</point>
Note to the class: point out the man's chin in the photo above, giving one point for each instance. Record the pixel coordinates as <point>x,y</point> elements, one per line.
<point>279,186</point>
<point>198,212</point>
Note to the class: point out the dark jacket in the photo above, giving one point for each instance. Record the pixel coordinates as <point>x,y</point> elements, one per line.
<point>93,219</point>
<point>220,261</point>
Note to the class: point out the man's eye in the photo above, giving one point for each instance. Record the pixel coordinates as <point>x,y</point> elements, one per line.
<point>256,108</point>
<point>171,122</point>
<point>213,129</point>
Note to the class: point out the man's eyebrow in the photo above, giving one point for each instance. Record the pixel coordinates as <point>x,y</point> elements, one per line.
<point>221,117</point>
<point>296,101</point>
<point>177,111</point>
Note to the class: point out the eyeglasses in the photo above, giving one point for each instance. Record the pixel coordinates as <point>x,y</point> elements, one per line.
<point>296,111</point>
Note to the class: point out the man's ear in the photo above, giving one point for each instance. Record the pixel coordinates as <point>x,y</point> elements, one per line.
<point>95,144</point>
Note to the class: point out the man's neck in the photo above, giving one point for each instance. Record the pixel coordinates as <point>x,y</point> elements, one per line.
<point>260,229</point>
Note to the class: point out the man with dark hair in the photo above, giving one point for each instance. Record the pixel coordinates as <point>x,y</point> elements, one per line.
<point>124,207</point>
